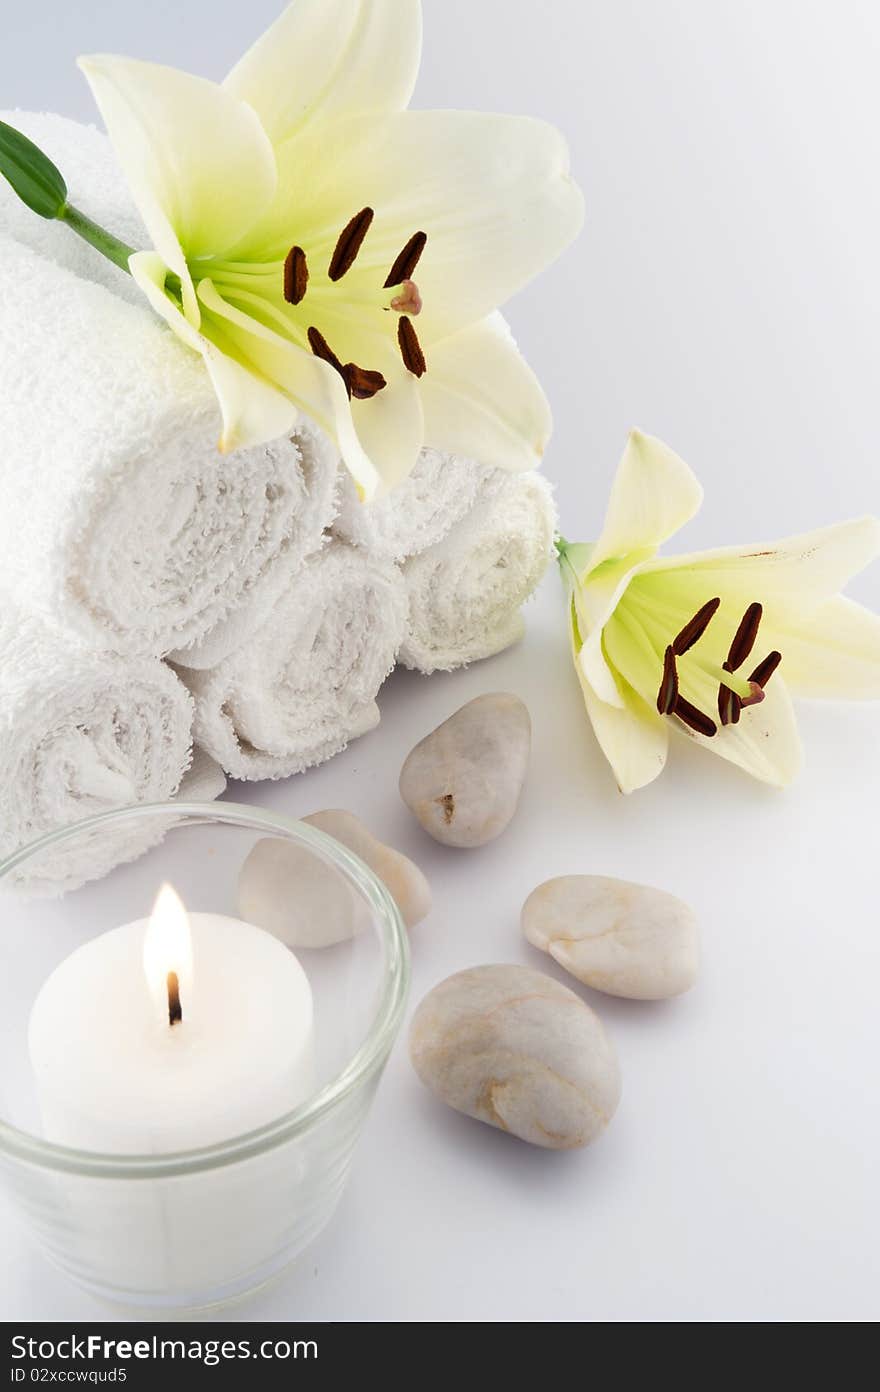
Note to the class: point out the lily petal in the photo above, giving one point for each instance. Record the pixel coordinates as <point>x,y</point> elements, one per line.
<point>149,272</point>
<point>836,653</point>
<point>654,494</point>
<point>492,193</point>
<point>765,743</point>
<point>199,164</point>
<point>391,430</point>
<point>791,575</point>
<point>481,398</point>
<point>253,410</point>
<point>632,736</point>
<point>324,58</point>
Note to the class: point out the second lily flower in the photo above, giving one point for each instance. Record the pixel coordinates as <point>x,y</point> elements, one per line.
<point>710,643</point>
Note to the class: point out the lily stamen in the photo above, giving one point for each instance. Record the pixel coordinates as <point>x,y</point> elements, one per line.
<point>668,693</point>
<point>321,349</point>
<point>407,260</point>
<point>745,636</point>
<point>410,348</point>
<point>360,382</point>
<point>695,628</point>
<point>349,243</point>
<point>764,670</point>
<point>733,695</point>
<point>693,717</point>
<point>296,275</point>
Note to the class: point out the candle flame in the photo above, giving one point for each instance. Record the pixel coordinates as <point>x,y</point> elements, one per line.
<point>168,955</point>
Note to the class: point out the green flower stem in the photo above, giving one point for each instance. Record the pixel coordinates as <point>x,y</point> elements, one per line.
<point>108,245</point>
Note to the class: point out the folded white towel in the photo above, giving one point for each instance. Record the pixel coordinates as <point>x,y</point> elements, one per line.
<point>305,684</point>
<point>305,482</point>
<point>83,732</point>
<point>120,519</point>
<point>418,512</point>
<point>95,185</point>
<point>465,592</point>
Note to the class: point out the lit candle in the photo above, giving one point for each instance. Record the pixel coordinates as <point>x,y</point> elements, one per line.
<point>171,1033</point>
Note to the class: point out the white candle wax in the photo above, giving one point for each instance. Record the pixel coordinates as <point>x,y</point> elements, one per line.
<point>114,1074</point>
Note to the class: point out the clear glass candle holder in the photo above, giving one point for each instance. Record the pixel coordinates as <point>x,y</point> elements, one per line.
<point>193,1227</point>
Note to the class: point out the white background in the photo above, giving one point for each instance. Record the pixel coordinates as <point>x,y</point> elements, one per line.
<point>725,295</point>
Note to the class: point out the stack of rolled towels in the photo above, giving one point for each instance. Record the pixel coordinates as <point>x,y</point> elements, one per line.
<point>170,614</point>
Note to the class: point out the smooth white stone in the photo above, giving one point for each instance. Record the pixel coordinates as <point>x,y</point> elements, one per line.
<point>520,1051</point>
<point>625,939</point>
<point>405,881</point>
<point>463,781</point>
<point>306,902</point>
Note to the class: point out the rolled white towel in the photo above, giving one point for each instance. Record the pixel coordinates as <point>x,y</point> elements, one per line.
<point>466,591</point>
<point>121,521</point>
<point>419,511</point>
<point>83,732</point>
<point>305,684</point>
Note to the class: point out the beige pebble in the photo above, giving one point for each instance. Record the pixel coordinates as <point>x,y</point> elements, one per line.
<point>402,877</point>
<point>520,1051</point>
<point>306,902</point>
<point>625,939</point>
<point>463,781</point>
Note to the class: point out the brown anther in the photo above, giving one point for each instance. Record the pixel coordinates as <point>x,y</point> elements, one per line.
<point>321,349</point>
<point>407,261</point>
<point>690,715</point>
<point>363,383</point>
<point>349,244</point>
<point>410,348</point>
<point>410,302</point>
<point>668,693</point>
<point>764,670</point>
<point>695,628</point>
<point>744,638</point>
<point>296,275</point>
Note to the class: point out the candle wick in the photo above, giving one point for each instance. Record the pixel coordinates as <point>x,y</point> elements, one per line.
<point>175,1011</point>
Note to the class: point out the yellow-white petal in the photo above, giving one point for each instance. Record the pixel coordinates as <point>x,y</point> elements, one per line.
<point>492,193</point>
<point>653,494</point>
<point>790,576</point>
<point>765,743</point>
<point>199,164</point>
<point>482,399</point>
<point>325,58</point>
<point>391,429</point>
<point>835,653</point>
<point>253,410</point>
<point>631,735</point>
<point>149,272</point>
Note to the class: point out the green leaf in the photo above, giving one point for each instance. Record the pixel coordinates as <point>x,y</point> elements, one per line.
<point>31,173</point>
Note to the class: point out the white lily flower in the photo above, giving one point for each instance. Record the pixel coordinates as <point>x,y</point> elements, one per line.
<point>290,210</point>
<point>711,643</point>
